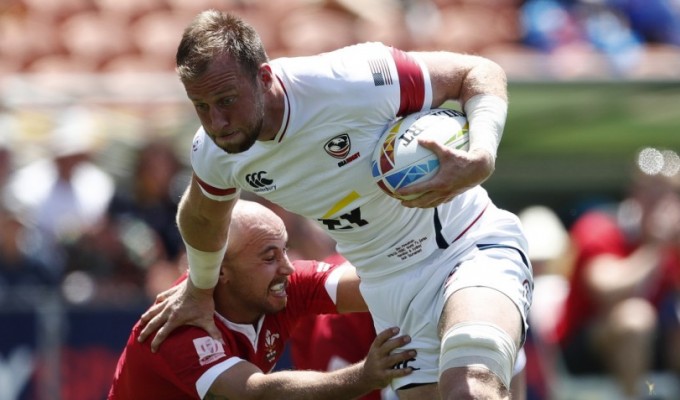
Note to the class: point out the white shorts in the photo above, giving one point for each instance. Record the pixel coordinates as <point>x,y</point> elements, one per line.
<point>492,254</point>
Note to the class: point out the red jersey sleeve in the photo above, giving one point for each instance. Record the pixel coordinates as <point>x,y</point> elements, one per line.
<point>174,372</point>
<point>308,292</point>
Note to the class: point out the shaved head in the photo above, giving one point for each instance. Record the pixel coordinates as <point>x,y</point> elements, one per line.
<point>247,219</point>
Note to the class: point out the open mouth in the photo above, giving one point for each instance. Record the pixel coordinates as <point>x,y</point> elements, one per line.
<point>278,290</point>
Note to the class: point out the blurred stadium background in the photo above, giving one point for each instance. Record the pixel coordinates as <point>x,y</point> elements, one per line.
<point>591,82</point>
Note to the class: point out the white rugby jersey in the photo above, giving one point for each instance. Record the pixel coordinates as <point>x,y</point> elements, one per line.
<point>337,104</point>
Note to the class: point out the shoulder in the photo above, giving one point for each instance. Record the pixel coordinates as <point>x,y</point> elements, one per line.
<point>594,223</point>
<point>351,61</point>
<point>597,232</point>
<point>310,277</point>
<point>306,268</point>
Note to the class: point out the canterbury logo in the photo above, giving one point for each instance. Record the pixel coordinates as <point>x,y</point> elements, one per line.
<point>258,179</point>
<point>404,364</point>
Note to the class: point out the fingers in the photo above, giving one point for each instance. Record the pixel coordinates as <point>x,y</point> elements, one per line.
<point>154,310</point>
<point>387,342</point>
<point>432,145</point>
<point>385,335</point>
<point>161,335</point>
<point>153,319</point>
<point>162,296</point>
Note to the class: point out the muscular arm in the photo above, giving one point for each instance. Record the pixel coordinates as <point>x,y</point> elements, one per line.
<point>460,77</point>
<point>245,381</point>
<point>480,85</point>
<point>204,224</point>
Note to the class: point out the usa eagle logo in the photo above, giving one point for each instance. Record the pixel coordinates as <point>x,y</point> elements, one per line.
<point>339,146</point>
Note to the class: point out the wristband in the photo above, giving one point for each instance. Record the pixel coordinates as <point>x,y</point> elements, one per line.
<point>204,266</point>
<point>486,115</point>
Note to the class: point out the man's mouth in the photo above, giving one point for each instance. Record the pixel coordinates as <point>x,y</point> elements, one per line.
<point>278,290</point>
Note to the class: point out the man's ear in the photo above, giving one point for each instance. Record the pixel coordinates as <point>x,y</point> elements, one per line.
<point>224,273</point>
<point>266,76</point>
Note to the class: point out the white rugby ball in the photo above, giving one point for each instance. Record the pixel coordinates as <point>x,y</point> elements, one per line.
<point>399,161</point>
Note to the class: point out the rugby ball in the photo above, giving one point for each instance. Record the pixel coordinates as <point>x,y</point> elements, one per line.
<point>399,161</point>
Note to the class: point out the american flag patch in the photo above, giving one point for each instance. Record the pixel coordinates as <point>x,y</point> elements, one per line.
<point>381,72</point>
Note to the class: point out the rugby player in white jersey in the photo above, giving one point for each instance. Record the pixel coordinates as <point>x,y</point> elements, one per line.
<point>449,267</point>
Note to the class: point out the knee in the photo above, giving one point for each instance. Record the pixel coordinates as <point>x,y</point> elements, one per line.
<point>472,383</point>
<point>480,353</point>
<point>633,317</point>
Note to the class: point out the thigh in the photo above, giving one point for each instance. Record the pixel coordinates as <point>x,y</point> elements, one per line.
<point>483,304</point>
<point>494,286</point>
<point>487,299</point>
<point>409,300</point>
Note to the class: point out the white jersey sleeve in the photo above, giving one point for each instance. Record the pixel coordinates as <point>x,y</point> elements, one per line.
<point>211,182</point>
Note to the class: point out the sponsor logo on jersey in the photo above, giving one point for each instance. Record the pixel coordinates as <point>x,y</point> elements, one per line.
<point>349,159</point>
<point>349,220</point>
<point>270,345</point>
<point>405,364</point>
<point>260,182</point>
<point>333,220</point>
<point>208,350</point>
<point>381,72</point>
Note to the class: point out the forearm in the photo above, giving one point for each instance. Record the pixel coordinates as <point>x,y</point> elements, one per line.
<point>199,231</point>
<point>612,279</point>
<point>203,224</point>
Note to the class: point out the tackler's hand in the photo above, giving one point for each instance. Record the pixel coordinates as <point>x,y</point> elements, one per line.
<point>184,304</point>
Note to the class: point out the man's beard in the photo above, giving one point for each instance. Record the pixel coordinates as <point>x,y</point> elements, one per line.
<point>250,137</point>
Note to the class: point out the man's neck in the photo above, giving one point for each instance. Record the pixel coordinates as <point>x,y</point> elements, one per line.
<point>274,110</point>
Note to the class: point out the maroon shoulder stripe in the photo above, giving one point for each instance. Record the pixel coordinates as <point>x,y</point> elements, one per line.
<point>213,190</point>
<point>411,83</point>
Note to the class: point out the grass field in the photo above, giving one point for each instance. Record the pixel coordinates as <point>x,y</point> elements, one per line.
<point>569,143</point>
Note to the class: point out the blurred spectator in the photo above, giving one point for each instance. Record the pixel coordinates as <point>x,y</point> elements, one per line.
<point>23,277</point>
<point>136,248</point>
<point>548,240</point>
<point>108,263</point>
<point>5,165</point>
<point>151,194</point>
<point>65,193</point>
<point>655,21</point>
<point>621,313</point>
<point>549,254</point>
<point>579,27</point>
